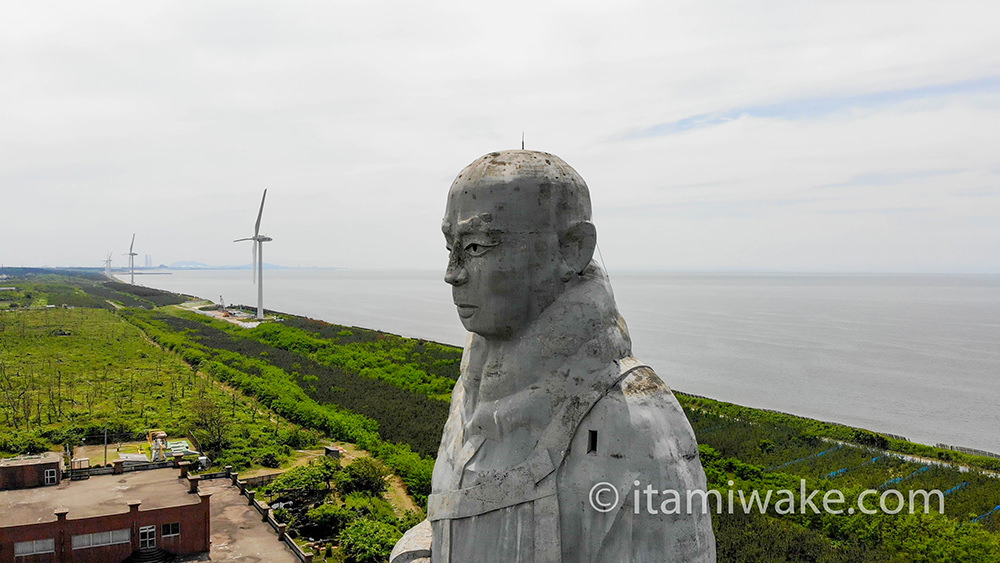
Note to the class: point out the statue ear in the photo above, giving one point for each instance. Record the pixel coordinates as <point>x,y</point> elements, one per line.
<point>577,245</point>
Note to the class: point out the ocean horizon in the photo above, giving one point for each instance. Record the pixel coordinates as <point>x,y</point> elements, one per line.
<point>916,355</point>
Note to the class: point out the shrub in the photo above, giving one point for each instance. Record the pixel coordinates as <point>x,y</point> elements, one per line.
<point>365,475</point>
<point>307,480</point>
<point>368,541</point>
<point>327,521</point>
<point>372,508</point>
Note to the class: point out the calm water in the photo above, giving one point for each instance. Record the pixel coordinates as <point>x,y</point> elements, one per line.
<point>912,355</point>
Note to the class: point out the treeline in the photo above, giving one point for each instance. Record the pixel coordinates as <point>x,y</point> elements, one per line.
<point>402,362</point>
<point>437,360</point>
<point>402,415</point>
<point>749,534</point>
<point>769,451</point>
<point>39,288</point>
<point>259,370</point>
<point>157,297</point>
<point>807,427</point>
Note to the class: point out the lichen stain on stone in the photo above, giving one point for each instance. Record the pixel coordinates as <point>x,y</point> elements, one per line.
<point>644,381</point>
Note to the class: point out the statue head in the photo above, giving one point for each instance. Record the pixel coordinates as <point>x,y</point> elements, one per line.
<point>518,232</point>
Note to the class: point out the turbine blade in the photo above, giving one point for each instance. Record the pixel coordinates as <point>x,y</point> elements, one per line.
<point>131,245</point>
<point>253,272</point>
<point>256,228</point>
<point>242,239</point>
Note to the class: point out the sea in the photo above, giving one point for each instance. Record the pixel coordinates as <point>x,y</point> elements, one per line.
<point>912,355</point>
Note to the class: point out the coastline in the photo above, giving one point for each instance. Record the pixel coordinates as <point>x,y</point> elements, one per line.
<point>366,297</point>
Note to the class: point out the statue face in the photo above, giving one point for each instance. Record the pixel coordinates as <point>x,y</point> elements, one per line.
<point>504,257</point>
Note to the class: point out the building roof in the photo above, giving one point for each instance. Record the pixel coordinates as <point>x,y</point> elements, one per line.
<point>97,496</point>
<point>45,457</point>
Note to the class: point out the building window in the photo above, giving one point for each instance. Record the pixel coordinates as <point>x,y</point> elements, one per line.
<point>98,539</point>
<point>172,529</point>
<point>34,547</point>
<point>50,476</point>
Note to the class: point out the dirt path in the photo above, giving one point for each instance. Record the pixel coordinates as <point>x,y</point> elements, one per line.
<point>194,307</point>
<point>396,495</point>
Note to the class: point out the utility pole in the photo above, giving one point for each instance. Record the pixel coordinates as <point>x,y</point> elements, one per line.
<point>105,444</point>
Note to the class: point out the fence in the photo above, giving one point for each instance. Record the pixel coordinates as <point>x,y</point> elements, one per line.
<point>970,451</point>
<point>87,472</point>
<point>261,480</point>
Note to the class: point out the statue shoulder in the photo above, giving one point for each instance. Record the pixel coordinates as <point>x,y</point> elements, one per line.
<point>414,546</point>
<point>638,414</point>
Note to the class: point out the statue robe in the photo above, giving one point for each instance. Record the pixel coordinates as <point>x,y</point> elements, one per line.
<point>515,470</point>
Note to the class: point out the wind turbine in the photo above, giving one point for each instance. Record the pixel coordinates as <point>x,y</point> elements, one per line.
<point>258,257</point>
<point>107,265</point>
<point>131,260</point>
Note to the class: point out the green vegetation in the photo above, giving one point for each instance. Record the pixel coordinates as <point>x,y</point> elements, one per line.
<point>422,367</point>
<point>37,288</point>
<point>347,407</point>
<point>68,372</point>
<point>323,502</point>
<point>765,451</point>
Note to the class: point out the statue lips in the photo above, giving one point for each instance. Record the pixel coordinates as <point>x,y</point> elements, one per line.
<point>466,311</point>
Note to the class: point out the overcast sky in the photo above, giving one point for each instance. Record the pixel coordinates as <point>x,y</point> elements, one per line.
<point>795,136</point>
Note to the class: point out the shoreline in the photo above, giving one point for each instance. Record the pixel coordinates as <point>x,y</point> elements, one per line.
<point>942,441</point>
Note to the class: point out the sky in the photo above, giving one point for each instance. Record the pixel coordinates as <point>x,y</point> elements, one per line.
<point>834,136</point>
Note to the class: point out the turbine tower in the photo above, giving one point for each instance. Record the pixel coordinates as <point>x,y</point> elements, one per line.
<point>258,257</point>
<point>107,265</point>
<point>131,260</point>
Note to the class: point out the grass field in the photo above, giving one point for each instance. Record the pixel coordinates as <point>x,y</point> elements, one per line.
<point>258,395</point>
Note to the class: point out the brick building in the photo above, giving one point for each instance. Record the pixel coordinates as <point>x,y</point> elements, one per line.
<point>105,519</point>
<point>30,471</point>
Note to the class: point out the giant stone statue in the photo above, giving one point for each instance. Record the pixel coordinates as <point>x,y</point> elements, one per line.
<point>550,404</point>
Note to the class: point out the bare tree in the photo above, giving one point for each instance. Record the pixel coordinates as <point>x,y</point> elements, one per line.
<point>13,389</point>
<point>213,421</point>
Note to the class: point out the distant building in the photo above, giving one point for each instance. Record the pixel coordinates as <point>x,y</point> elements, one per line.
<point>104,519</point>
<point>31,471</point>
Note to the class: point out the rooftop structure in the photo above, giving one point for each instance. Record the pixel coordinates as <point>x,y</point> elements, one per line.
<point>97,496</point>
<point>105,519</point>
<point>30,471</point>
<point>38,459</point>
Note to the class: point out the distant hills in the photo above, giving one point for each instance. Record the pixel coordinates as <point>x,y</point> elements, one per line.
<point>190,265</point>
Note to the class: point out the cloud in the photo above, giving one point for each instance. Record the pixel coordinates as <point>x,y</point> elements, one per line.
<point>168,120</point>
<point>889,178</point>
<point>812,108</point>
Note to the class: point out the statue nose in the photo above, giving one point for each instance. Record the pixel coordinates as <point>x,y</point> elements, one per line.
<point>456,276</point>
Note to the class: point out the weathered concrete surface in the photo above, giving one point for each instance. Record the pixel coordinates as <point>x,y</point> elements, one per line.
<point>550,401</point>
<point>238,534</point>
<point>414,547</point>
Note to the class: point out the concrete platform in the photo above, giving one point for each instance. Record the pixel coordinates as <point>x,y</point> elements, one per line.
<point>97,496</point>
<point>238,534</point>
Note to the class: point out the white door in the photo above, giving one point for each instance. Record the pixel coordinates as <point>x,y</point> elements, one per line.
<point>147,537</point>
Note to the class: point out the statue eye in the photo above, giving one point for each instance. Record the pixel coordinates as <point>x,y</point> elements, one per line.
<point>477,249</point>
